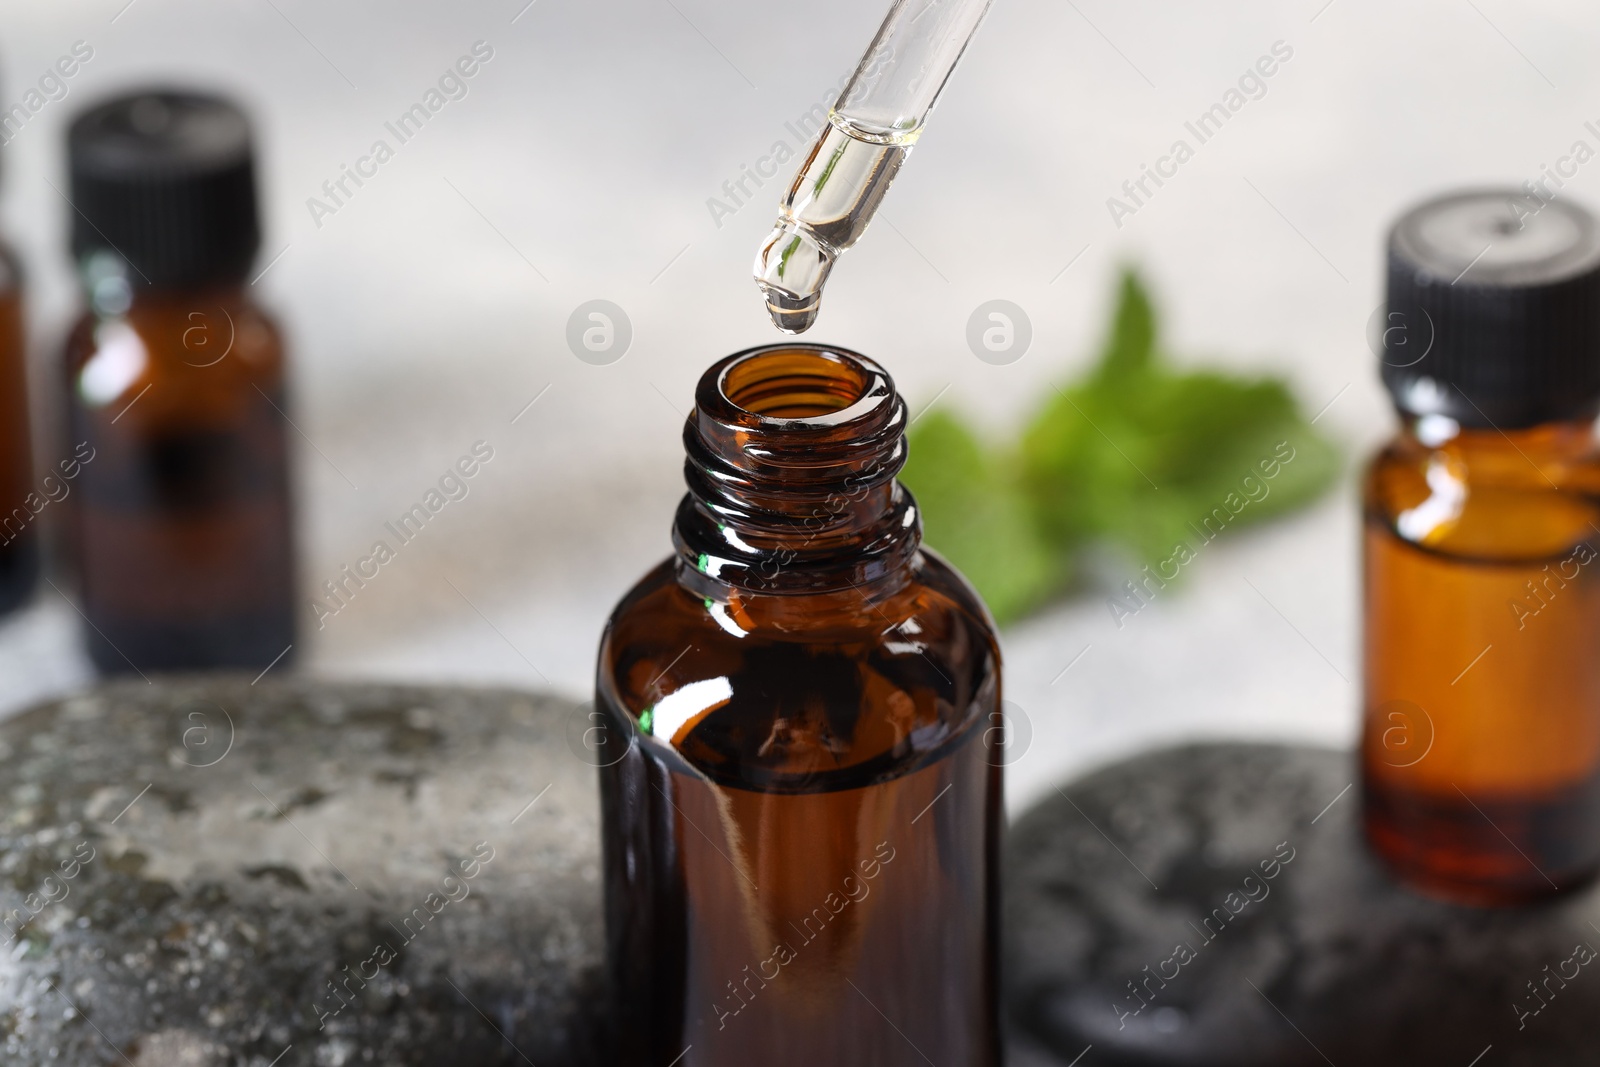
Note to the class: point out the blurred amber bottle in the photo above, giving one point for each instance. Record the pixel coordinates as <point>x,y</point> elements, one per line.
<point>795,716</point>
<point>181,525</point>
<point>19,501</point>
<point>1481,748</point>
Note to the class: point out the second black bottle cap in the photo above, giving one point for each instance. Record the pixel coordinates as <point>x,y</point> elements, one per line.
<point>1493,310</point>
<point>165,179</point>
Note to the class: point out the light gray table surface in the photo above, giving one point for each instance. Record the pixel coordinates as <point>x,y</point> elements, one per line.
<point>433,305</point>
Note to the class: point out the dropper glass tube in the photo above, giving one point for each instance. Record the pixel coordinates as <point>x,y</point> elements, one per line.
<point>870,130</point>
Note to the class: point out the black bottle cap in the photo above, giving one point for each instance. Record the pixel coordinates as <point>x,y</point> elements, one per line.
<point>166,180</point>
<point>1493,313</point>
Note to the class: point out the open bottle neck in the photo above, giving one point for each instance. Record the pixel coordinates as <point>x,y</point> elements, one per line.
<point>792,452</point>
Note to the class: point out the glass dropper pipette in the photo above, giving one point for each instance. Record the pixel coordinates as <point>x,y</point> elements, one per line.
<point>870,130</point>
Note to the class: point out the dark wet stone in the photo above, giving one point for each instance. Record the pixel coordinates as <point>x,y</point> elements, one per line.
<point>206,856</point>
<point>1331,963</point>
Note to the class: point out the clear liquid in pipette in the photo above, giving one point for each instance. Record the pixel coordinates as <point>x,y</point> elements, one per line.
<point>825,211</point>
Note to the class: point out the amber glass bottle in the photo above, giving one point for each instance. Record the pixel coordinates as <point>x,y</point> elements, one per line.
<point>1481,749</point>
<point>175,380</point>
<point>801,804</point>
<point>19,540</point>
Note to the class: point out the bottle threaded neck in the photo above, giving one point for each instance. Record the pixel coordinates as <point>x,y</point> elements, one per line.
<point>792,452</point>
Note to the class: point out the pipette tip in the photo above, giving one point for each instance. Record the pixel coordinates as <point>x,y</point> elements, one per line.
<point>791,269</point>
<point>789,313</point>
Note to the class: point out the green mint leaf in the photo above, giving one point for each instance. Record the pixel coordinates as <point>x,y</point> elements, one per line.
<point>1130,346</point>
<point>1138,455</point>
<point>976,515</point>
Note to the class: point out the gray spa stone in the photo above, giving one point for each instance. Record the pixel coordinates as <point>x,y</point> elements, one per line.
<point>1327,961</point>
<point>205,856</point>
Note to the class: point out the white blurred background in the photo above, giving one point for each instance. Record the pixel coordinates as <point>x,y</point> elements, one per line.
<point>433,305</point>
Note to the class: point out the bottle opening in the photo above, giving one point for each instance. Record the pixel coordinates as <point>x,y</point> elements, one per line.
<point>790,383</point>
<point>797,405</point>
<point>791,455</point>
